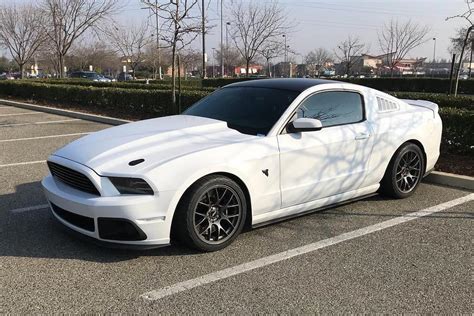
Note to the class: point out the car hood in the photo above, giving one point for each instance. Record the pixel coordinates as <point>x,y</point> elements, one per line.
<point>156,141</point>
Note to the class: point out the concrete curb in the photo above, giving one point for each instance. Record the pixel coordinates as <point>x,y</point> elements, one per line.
<point>69,113</point>
<point>450,179</point>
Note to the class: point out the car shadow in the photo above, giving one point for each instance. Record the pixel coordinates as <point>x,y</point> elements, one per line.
<point>37,234</point>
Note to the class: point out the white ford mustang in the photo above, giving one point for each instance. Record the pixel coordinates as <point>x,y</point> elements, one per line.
<point>251,153</point>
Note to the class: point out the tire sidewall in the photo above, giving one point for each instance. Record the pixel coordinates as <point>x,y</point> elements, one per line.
<point>201,188</point>
<point>396,161</point>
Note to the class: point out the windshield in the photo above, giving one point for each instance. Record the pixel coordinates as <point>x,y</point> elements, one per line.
<point>249,110</point>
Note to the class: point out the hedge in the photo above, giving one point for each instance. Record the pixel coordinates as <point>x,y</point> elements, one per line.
<point>118,102</point>
<point>432,85</point>
<point>153,85</point>
<point>458,131</point>
<point>457,113</point>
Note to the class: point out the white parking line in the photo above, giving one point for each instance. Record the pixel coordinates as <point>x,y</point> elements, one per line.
<point>41,137</point>
<point>23,113</point>
<point>39,123</point>
<point>285,255</point>
<point>22,163</point>
<point>30,208</point>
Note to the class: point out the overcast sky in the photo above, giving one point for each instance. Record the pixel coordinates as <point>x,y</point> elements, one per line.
<point>325,23</point>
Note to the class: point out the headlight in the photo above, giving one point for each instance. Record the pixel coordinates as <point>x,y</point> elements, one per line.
<point>131,186</point>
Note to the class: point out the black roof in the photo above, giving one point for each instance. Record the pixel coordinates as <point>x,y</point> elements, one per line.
<point>294,84</point>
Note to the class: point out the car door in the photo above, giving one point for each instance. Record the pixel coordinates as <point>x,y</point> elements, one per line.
<point>333,160</point>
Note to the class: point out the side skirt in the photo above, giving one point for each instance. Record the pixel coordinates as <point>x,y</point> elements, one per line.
<point>313,210</point>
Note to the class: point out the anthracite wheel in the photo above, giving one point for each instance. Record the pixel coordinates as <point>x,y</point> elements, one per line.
<point>404,172</point>
<point>211,213</point>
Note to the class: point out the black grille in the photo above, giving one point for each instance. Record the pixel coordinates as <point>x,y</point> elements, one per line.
<point>77,220</point>
<point>72,178</point>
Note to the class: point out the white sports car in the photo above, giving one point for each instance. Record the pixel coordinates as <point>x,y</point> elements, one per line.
<point>251,153</point>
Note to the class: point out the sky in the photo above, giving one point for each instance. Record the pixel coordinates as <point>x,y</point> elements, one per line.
<point>325,23</point>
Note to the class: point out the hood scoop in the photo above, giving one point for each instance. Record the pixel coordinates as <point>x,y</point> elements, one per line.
<point>135,162</point>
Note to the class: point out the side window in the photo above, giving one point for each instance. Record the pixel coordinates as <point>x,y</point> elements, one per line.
<point>333,108</point>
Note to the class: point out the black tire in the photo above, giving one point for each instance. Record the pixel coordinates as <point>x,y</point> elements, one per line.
<point>402,179</point>
<point>220,219</point>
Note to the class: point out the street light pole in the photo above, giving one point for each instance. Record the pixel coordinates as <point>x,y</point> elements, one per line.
<point>222,40</point>
<point>227,41</point>
<point>434,50</point>
<point>203,26</point>
<point>157,21</point>
<point>213,61</point>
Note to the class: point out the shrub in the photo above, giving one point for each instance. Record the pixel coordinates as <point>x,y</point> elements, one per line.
<point>443,100</point>
<point>153,84</point>
<point>458,131</point>
<point>118,102</point>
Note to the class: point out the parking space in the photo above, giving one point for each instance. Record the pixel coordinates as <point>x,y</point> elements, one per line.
<point>421,265</point>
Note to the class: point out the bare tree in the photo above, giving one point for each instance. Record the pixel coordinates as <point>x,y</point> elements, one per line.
<point>348,51</point>
<point>397,39</point>
<point>181,25</point>
<point>255,25</point>
<point>271,50</point>
<point>20,32</point>
<point>130,43</point>
<point>467,15</point>
<point>317,60</point>
<point>68,20</point>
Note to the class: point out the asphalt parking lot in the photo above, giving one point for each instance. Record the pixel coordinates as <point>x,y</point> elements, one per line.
<point>420,265</point>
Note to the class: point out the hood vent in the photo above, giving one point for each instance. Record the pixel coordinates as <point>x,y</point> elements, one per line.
<point>136,162</point>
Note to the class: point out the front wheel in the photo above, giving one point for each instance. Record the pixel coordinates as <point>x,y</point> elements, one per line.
<point>211,214</point>
<point>404,172</point>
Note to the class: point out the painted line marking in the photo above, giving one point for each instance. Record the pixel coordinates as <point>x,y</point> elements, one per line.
<point>39,123</point>
<point>30,208</point>
<point>6,107</point>
<point>22,163</point>
<point>285,255</point>
<point>42,137</point>
<point>23,113</point>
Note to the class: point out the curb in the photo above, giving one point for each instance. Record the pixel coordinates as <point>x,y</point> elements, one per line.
<point>69,113</point>
<point>450,179</point>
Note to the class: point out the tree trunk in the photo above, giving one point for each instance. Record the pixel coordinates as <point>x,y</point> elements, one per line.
<point>173,80</point>
<point>21,66</point>
<point>460,60</point>
<point>179,84</point>
<point>247,68</point>
<point>269,74</point>
<point>61,66</point>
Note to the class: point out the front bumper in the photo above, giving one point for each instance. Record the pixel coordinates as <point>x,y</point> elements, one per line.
<point>86,214</point>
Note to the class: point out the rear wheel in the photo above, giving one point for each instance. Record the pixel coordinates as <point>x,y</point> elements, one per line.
<point>211,214</point>
<point>404,172</point>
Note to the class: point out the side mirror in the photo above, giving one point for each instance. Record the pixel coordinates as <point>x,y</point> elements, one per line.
<point>304,124</point>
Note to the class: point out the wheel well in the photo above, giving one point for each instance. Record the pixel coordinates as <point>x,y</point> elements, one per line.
<point>239,182</point>
<point>419,144</point>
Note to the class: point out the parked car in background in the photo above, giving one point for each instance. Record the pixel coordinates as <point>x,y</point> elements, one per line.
<point>124,77</point>
<point>253,152</point>
<point>90,75</point>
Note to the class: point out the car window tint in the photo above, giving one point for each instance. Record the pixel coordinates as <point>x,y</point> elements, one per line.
<point>333,108</point>
<point>249,110</point>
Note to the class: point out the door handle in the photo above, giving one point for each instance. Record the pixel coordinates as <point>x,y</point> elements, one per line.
<point>362,136</point>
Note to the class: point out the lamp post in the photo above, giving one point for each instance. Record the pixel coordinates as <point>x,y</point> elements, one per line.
<point>434,50</point>
<point>227,40</point>
<point>213,62</point>
<point>222,39</point>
